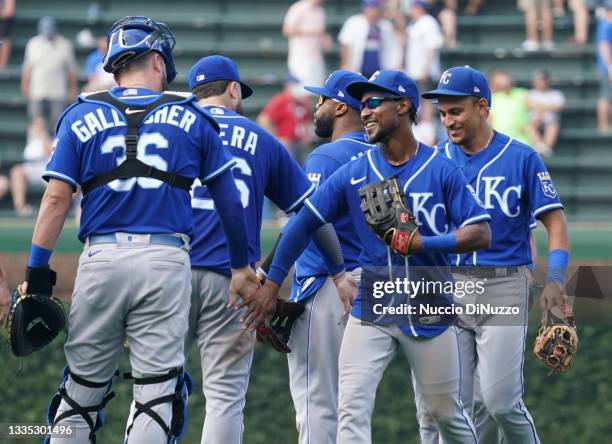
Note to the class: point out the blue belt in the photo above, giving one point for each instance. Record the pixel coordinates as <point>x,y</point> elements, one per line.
<point>157,239</point>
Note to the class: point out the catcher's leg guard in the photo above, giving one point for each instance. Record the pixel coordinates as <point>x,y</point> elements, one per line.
<point>70,394</point>
<point>177,398</point>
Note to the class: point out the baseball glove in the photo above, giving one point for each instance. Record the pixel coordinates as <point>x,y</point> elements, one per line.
<point>556,344</point>
<point>276,333</point>
<point>34,318</point>
<point>382,204</point>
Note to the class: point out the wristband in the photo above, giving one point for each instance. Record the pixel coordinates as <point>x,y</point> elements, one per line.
<point>446,243</point>
<point>39,257</point>
<point>557,265</point>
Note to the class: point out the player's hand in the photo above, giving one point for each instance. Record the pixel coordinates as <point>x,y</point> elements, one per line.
<point>261,306</point>
<point>554,295</point>
<point>244,284</point>
<point>347,291</point>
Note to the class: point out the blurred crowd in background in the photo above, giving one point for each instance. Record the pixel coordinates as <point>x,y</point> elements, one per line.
<point>382,34</point>
<point>409,35</point>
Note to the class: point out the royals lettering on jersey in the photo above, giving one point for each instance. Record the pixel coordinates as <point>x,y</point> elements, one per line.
<point>437,194</point>
<point>263,168</point>
<point>320,165</point>
<point>514,186</point>
<point>177,137</point>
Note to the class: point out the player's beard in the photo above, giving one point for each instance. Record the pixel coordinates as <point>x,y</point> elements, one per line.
<point>380,135</point>
<point>324,126</point>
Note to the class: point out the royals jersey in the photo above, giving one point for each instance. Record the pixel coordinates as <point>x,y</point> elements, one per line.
<point>514,186</point>
<point>176,137</point>
<point>310,269</point>
<point>263,168</point>
<point>436,193</point>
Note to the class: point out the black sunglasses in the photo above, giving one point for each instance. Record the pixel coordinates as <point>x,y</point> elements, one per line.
<point>321,100</point>
<point>375,102</point>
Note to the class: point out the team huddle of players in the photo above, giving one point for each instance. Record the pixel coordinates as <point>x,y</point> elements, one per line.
<point>165,267</point>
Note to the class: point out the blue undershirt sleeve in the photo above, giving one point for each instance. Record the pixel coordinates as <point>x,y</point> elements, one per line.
<point>326,240</point>
<point>229,206</point>
<point>296,235</point>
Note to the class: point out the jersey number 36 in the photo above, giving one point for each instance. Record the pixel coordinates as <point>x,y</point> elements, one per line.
<point>155,140</point>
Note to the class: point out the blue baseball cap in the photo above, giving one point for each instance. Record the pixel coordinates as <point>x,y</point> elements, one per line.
<point>391,83</point>
<point>371,3</point>
<point>216,67</point>
<point>335,87</point>
<point>461,81</point>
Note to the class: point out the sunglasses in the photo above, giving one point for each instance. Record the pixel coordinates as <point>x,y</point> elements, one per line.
<point>321,100</point>
<point>375,102</point>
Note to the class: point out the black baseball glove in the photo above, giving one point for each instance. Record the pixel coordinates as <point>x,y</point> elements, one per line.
<point>382,204</point>
<point>34,318</point>
<point>276,333</point>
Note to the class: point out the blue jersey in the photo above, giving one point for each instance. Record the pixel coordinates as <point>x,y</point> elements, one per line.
<point>436,193</point>
<point>175,137</point>
<point>603,34</point>
<point>310,269</point>
<point>263,168</point>
<point>514,186</point>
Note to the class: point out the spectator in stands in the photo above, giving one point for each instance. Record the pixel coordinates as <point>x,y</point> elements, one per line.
<point>35,154</point>
<point>447,16</point>
<point>368,42</point>
<point>537,10</point>
<point>97,78</point>
<point>7,14</point>
<point>472,7</point>
<point>4,186</point>
<point>581,19</point>
<point>422,61</point>
<point>304,27</point>
<point>544,104</point>
<point>393,11</point>
<point>604,66</point>
<point>288,117</point>
<point>446,13</point>
<point>49,73</point>
<point>509,113</point>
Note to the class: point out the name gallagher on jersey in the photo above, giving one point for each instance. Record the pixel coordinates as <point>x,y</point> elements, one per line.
<point>427,309</point>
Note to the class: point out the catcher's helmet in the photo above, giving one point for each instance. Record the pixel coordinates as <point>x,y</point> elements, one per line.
<point>134,36</point>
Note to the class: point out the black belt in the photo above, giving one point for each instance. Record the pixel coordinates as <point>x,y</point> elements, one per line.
<point>485,271</point>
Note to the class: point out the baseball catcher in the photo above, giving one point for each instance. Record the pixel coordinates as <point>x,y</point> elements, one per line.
<point>35,317</point>
<point>556,343</point>
<point>383,206</point>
